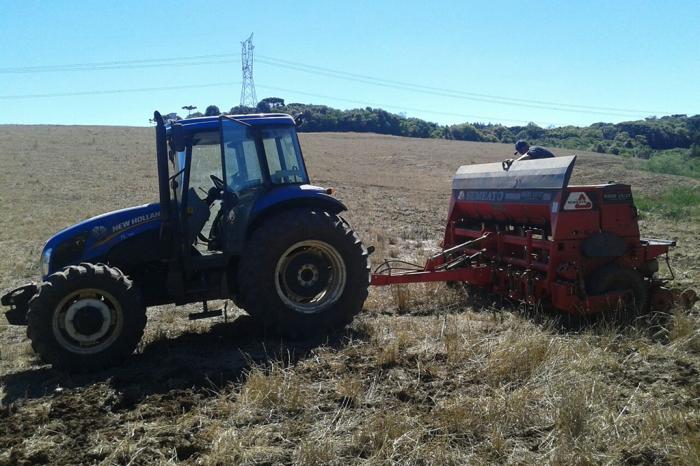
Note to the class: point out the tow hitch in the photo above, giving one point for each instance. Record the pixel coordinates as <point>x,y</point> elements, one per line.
<point>18,302</point>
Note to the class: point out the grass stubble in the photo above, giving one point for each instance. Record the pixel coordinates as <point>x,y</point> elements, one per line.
<point>425,375</point>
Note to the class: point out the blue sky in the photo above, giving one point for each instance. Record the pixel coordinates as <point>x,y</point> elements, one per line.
<point>634,58</point>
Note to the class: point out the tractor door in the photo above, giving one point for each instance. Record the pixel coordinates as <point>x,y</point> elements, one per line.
<point>245,178</point>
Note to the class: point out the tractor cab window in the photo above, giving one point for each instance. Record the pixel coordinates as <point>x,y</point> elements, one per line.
<point>284,156</point>
<point>205,161</point>
<point>242,165</point>
<point>202,205</point>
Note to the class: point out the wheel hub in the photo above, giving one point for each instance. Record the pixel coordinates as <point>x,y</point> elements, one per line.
<point>87,320</point>
<point>307,274</point>
<point>310,276</point>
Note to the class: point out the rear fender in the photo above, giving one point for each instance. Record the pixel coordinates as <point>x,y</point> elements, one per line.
<point>269,205</point>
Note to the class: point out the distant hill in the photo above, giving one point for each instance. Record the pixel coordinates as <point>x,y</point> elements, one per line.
<point>674,139</point>
<point>639,138</point>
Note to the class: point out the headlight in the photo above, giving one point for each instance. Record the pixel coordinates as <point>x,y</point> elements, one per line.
<point>45,261</point>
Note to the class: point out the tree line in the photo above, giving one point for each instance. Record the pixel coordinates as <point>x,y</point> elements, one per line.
<point>639,138</point>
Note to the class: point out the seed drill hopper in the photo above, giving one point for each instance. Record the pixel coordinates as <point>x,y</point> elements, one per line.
<point>521,231</point>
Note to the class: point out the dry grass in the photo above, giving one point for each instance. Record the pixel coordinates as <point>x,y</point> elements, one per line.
<point>426,375</point>
<point>685,331</point>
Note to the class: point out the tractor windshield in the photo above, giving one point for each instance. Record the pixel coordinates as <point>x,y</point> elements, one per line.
<point>242,163</point>
<point>245,164</point>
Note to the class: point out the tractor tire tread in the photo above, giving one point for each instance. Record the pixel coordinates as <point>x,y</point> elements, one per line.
<point>43,303</point>
<point>254,287</point>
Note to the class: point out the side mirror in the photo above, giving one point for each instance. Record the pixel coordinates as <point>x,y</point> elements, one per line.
<point>299,120</point>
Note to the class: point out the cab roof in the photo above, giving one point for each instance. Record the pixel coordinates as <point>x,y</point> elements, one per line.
<point>211,123</point>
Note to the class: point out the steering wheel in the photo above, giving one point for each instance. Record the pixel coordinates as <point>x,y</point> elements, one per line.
<point>218,182</point>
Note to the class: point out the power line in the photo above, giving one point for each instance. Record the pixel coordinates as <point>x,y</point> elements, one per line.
<point>545,105</point>
<point>378,105</point>
<point>230,83</point>
<point>274,88</point>
<point>297,66</point>
<point>116,91</point>
<point>106,65</point>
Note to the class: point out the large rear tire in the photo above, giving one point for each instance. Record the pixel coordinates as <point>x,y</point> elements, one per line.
<point>304,273</point>
<point>85,318</point>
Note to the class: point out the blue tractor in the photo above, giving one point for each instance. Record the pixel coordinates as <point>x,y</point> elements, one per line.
<point>237,219</point>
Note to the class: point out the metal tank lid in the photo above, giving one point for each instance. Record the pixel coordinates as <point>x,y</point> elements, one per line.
<point>551,173</point>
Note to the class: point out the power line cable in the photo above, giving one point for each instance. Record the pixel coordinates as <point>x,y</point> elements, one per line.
<point>230,83</point>
<point>116,91</point>
<point>96,66</point>
<point>377,105</point>
<point>459,94</point>
<point>297,66</point>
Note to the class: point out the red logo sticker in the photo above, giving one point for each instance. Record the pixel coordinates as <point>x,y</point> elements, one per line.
<point>578,201</point>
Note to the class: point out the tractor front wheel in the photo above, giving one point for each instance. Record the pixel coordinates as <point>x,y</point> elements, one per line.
<point>304,273</point>
<point>85,318</point>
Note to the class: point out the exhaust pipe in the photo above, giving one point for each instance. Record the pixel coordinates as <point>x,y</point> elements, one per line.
<point>162,159</point>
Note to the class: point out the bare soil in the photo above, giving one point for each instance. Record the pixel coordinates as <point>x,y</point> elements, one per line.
<point>425,375</point>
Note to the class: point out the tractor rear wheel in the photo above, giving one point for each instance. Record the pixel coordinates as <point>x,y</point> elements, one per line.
<point>85,318</point>
<point>304,273</point>
<point>616,278</point>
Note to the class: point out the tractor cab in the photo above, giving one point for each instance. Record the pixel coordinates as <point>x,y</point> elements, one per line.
<point>222,167</point>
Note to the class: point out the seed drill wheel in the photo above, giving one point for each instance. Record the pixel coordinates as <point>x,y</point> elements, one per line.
<point>304,273</point>
<point>85,318</point>
<point>616,278</point>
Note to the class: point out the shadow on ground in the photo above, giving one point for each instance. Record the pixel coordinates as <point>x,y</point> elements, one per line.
<point>189,361</point>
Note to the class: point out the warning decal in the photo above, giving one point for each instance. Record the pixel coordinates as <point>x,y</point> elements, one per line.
<point>578,201</point>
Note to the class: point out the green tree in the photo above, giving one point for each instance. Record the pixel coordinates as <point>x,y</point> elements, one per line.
<point>212,110</point>
<point>241,110</point>
<point>269,104</point>
<point>695,150</point>
<point>465,132</point>
<point>600,148</point>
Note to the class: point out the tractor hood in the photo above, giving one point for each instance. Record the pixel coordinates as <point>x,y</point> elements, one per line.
<point>93,238</point>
